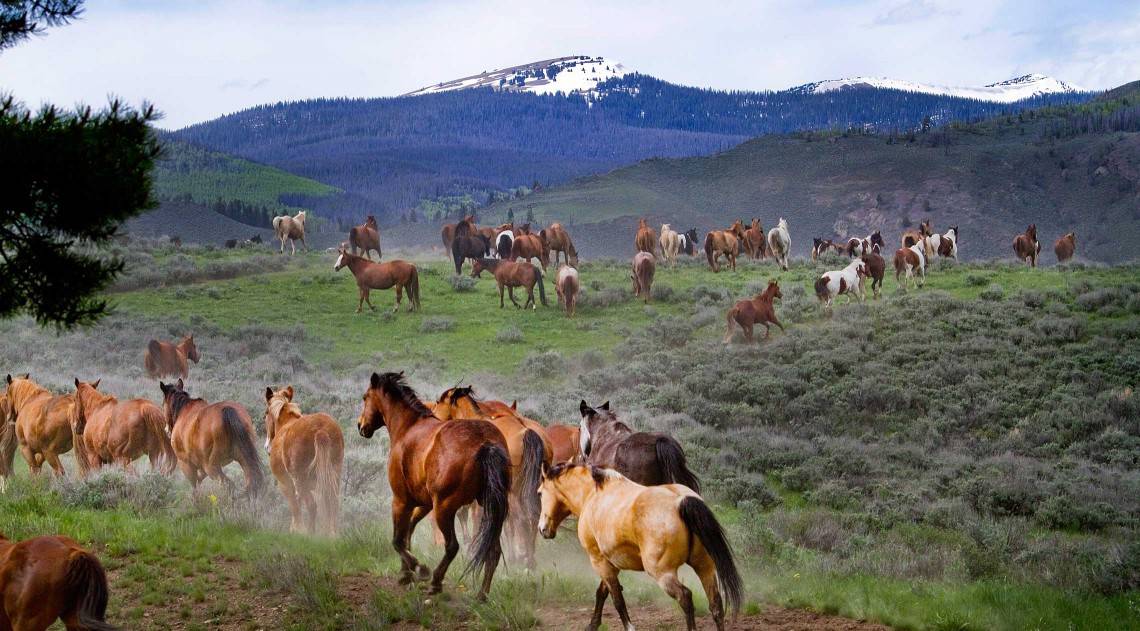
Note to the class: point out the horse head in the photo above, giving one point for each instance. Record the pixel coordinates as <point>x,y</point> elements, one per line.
<point>370,221</point>
<point>372,412</point>
<point>1031,231</point>
<point>773,291</point>
<point>342,258</point>
<point>275,402</point>
<point>593,421</point>
<point>925,228</point>
<point>477,268</point>
<point>78,411</point>
<point>191,349</point>
<point>174,398</point>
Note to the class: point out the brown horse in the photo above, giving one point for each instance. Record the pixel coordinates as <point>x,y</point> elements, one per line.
<point>208,436</point>
<point>397,273</point>
<point>819,247</point>
<point>45,579</point>
<point>109,431</point>
<point>755,245</point>
<point>164,359</point>
<point>646,239</point>
<point>511,274</point>
<point>642,275</point>
<point>1026,247</point>
<point>749,313</point>
<point>564,441</point>
<point>530,246</point>
<point>558,240</point>
<point>291,229</point>
<point>726,242</point>
<point>567,286</point>
<point>438,467</point>
<point>644,457</point>
<point>490,232</point>
<point>464,226</point>
<point>365,237</point>
<point>7,442</point>
<point>43,423</point>
<point>876,269</point>
<point>1065,247</point>
<point>910,264</point>
<point>306,455</point>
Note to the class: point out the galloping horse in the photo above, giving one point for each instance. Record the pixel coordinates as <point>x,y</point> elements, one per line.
<point>726,242</point>
<point>819,247</point>
<point>646,239</point>
<point>438,467</point>
<point>397,273</point>
<point>558,240</point>
<point>644,457</point>
<point>511,274</point>
<point>944,245</point>
<point>670,244</point>
<point>208,436</point>
<point>689,242</point>
<point>876,268</point>
<point>655,529</point>
<point>780,243</point>
<point>749,313</point>
<point>1065,247</point>
<point>365,237</point>
<point>754,242</point>
<point>842,282</point>
<point>567,286</point>
<point>43,423</point>
<point>164,359</point>
<point>306,455</point>
<point>530,246</point>
<point>912,236</point>
<point>908,261</point>
<point>642,275</point>
<point>291,229</point>
<point>1026,247</point>
<point>45,579</point>
<point>111,431</point>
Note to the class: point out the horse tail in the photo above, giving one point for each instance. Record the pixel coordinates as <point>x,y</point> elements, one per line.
<point>494,488</point>
<point>152,359</point>
<point>87,582</point>
<point>671,458</point>
<point>541,287</point>
<point>821,287</point>
<point>701,522</point>
<point>414,289</point>
<point>7,449</point>
<point>534,452</point>
<point>709,248</point>
<point>155,420</point>
<point>328,481</point>
<point>240,437</point>
<point>277,221</point>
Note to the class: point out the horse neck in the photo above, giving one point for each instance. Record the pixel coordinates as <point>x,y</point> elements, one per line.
<point>401,418</point>
<point>187,406</point>
<point>765,296</point>
<point>284,412</point>
<point>22,392</point>
<point>356,264</point>
<point>577,487</point>
<point>92,401</point>
<point>184,347</point>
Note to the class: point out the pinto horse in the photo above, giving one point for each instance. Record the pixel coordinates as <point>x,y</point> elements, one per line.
<point>780,243</point>
<point>109,431</point>
<point>1065,247</point>
<point>646,238</point>
<point>819,247</point>
<point>164,359</point>
<point>438,467</point>
<point>912,236</point>
<point>45,579</point>
<point>306,455</point>
<point>567,286</point>
<point>846,281</point>
<point>876,268</point>
<point>726,242</point>
<point>291,229</point>
<point>208,436</point>
<point>689,241</point>
<point>557,239</point>
<point>511,274</point>
<point>647,458</point>
<point>1026,246</point>
<point>396,273</point>
<point>505,244</point>
<point>749,313</point>
<point>670,244</point>
<point>365,237</point>
<point>43,423</point>
<point>530,246</point>
<point>908,261</point>
<point>642,275</point>
<point>944,245</point>
<point>653,529</point>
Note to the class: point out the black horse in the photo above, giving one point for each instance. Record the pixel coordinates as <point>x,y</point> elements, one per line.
<point>468,246</point>
<point>689,244</point>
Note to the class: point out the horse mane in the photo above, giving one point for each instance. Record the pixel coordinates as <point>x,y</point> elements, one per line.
<point>458,392</point>
<point>179,399</point>
<point>598,474</point>
<point>24,389</point>
<point>280,402</point>
<point>393,385</point>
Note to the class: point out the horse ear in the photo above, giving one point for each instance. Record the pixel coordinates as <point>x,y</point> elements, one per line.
<point>181,386</point>
<point>96,384</point>
<point>9,378</point>
<point>606,406</point>
<point>545,469</point>
<point>584,409</point>
<point>76,380</point>
<point>515,405</point>
<point>162,386</point>
<point>268,393</point>
<point>375,383</point>
<point>289,392</point>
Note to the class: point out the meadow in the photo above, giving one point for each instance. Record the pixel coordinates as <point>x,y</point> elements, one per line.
<point>963,456</point>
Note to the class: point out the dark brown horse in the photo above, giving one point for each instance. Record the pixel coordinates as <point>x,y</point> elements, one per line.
<point>1026,247</point>
<point>644,457</point>
<point>438,467</point>
<point>511,274</point>
<point>755,245</point>
<point>530,246</point>
<point>646,239</point>
<point>1065,247</point>
<point>726,242</point>
<point>558,240</point>
<point>164,359</point>
<point>465,226</point>
<point>749,313</point>
<point>45,579</point>
<point>876,269</point>
<point>399,274</point>
<point>365,237</point>
<point>642,275</point>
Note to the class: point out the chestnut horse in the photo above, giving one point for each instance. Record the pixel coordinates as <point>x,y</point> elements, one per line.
<point>558,240</point>
<point>208,436</point>
<point>306,455</point>
<point>726,242</point>
<point>780,243</point>
<point>1026,247</point>
<point>438,467</point>
<point>45,579</point>
<point>644,457</point>
<point>365,237</point>
<point>530,246</point>
<point>876,269</point>
<point>623,525</point>
<point>43,423</point>
<point>7,442</point>
<point>642,275</point>
<point>755,245</point>
<point>564,442</point>
<point>164,359</point>
<point>646,239</point>
<point>397,273</point>
<point>511,274</point>
<point>291,229</point>
<point>1065,247</point>
<point>749,313</point>
<point>567,286</point>
<point>109,431</point>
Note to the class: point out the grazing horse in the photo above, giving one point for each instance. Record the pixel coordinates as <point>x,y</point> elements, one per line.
<point>846,281</point>
<point>438,467</point>
<point>564,441</point>
<point>670,244</point>
<point>644,457</point>
<point>876,268</point>
<point>908,261</point>
<point>646,239</point>
<point>505,244</point>
<point>7,443</point>
<point>820,246</point>
<point>365,237</point>
<point>567,286</point>
<point>689,241</point>
<point>208,436</point>
<point>749,313</point>
<point>726,242</point>
<point>1065,247</point>
<point>754,243</point>
<point>642,275</point>
<point>306,455</point>
<point>530,246</point>
<point>623,525</point>
<point>557,240</point>
<point>397,273</point>
<point>291,229</point>
<point>109,431</point>
<point>164,359</point>
<point>780,243</point>
<point>43,423</point>
<point>51,578</point>
<point>1026,247</point>
<point>511,274</point>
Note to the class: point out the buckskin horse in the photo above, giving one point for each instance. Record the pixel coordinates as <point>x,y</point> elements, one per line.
<point>438,467</point>
<point>43,423</point>
<point>646,238</point>
<point>557,239</point>
<point>749,313</point>
<point>109,431</point>
<point>624,525</point>
<point>291,229</point>
<point>164,359</point>
<point>780,243</point>
<point>51,578</point>
<point>396,273</point>
<point>1065,247</point>
<point>365,237</point>
<point>306,455</point>
<point>1026,247</point>
<point>645,457</point>
<point>511,274</point>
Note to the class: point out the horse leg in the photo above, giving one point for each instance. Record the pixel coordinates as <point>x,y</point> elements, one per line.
<point>609,575</point>
<point>399,296</point>
<point>401,534</point>
<point>219,474</point>
<point>30,458</point>
<point>368,298</point>
<point>599,602</point>
<point>683,595</point>
<point>511,293</point>
<point>530,298</point>
<point>445,521</point>
<point>360,303</point>
<point>501,295</point>
<point>310,506</point>
<point>56,465</point>
<point>748,331</point>
<point>289,490</point>
<point>706,571</point>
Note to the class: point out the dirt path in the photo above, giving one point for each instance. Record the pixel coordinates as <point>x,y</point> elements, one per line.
<point>658,617</point>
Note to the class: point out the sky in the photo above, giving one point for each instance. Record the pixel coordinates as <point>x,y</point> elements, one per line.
<point>197,60</point>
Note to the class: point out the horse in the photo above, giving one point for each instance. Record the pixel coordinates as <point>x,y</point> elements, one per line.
<point>842,282</point>
<point>165,359</point>
<point>944,245</point>
<point>109,431</point>
<point>689,242</point>
<point>42,423</point>
<point>558,240</point>
<point>567,285</point>
<point>645,457</point>
<point>530,246</point>
<point>876,268</point>
<point>44,579</point>
<point>1065,247</point>
<point>820,246</point>
<point>670,244</point>
<point>230,244</point>
<point>511,274</point>
<point>642,275</point>
<point>436,466</point>
<point>504,244</point>
<point>291,229</point>
<point>780,243</point>
<point>490,232</point>
<point>396,273</point>
<point>7,443</point>
<point>208,436</point>
<point>1026,247</point>
<point>365,237</point>
<point>912,236</point>
<point>749,313</point>
<point>564,442</point>
<point>646,239</point>
<point>726,242</point>
<point>754,242</point>
<point>255,239</point>
<point>858,247</point>
<point>306,455</point>
<point>907,260</point>
<point>624,525</point>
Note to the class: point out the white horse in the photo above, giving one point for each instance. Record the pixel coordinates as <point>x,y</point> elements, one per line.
<point>670,243</point>
<point>291,229</point>
<point>780,243</point>
<point>842,282</point>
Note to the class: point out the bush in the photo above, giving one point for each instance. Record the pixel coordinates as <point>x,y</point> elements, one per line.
<point>462,282</point>
<point>437,324</point>
<point>603,298</point>
<point>977,280</point>
<point>662,293</point>
<point>509,334</point>
<point>543,365</point>
<point>993,292</point>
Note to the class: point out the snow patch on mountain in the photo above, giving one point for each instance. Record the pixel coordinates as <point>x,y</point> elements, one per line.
<point>578,74</point>
<point>1007,91</point>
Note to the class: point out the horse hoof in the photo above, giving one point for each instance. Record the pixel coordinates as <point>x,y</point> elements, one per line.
<point>423,573</point>
<point>405,578</point>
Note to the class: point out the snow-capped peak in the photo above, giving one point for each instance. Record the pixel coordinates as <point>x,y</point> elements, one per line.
<point>1007,91</point>
<point>577,74</point>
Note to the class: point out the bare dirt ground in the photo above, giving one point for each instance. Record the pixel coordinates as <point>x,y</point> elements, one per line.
<point>660,617</point>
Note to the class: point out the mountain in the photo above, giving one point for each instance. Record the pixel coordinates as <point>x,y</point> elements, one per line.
<point>1008,91</point>
<point>578,74</point>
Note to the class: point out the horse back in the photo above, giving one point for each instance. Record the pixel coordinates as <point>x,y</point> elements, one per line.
<point>446,459</point>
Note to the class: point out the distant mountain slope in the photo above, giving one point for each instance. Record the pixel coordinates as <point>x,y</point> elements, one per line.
<point>1008,91</point>
<point>578,74</point>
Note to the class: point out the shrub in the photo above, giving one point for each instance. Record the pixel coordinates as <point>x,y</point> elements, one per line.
<point>510,334</point>
<point>977,280</point>
<point>437,324</point>
<point>462,282</point>
<point>603,298</point>
<point>662,293</point>
<point>544,365</point>
<point>993,292</point>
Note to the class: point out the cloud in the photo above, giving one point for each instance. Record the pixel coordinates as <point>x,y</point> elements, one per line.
<point>913,11</point>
